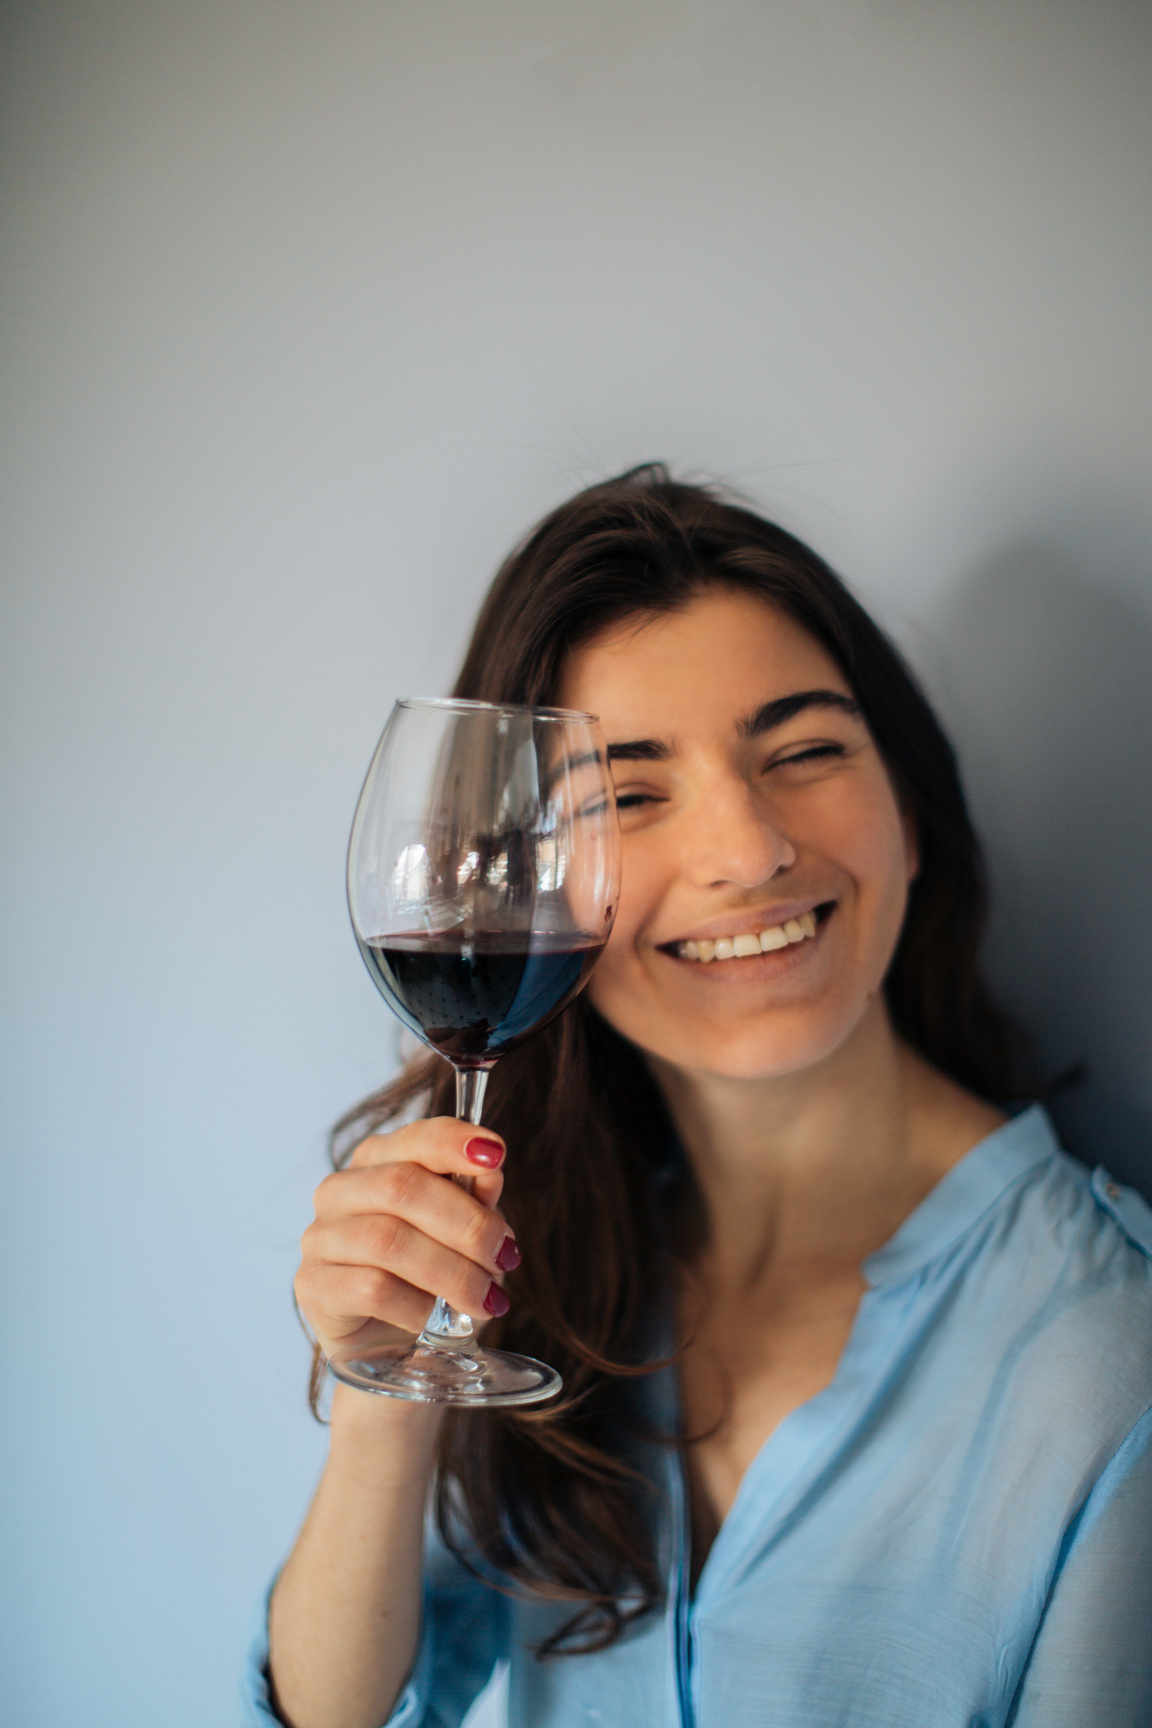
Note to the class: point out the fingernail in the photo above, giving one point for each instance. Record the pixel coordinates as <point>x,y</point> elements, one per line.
<point>496,1302</point>
<point>486,1152</point>
<point>509,1256</point>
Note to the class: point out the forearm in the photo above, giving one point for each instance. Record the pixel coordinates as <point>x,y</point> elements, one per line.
<point>345,1616</point>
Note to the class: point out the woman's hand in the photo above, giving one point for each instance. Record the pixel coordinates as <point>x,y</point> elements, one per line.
<point>391,1234</point>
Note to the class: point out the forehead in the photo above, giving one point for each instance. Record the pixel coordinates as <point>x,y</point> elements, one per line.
<point>701,667</point>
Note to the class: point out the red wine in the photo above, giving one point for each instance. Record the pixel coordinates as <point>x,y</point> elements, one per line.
<point>473,998</point>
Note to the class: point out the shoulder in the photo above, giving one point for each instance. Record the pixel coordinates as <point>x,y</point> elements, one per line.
<point>1082,1244</point>
<point>1127,1209</point>
<point>1092,1225</point>
<point>1086,1216</point>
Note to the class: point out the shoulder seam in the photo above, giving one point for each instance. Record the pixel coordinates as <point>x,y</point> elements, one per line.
<point>1128,1210</point>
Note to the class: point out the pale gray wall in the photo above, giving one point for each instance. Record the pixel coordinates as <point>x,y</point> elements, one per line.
<point>309,309</point>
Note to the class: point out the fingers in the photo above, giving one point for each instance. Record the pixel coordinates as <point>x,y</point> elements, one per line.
<point>410,1192</point>
<point>445,1145</point>
<point>390,1233</point>
<point>347,1304</point>
<point>381,1266</point>
<point>382,1217</point>
<point>440,1143</point>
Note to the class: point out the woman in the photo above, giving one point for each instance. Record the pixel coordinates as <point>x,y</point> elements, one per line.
<point>858,1413</point>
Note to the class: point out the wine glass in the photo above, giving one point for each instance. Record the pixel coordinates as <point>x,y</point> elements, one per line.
<point>483,876</point>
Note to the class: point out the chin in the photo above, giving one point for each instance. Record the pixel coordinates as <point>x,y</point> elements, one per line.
<point>753,1053</point>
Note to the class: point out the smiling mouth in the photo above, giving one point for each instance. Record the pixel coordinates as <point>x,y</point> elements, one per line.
<point>750,942</point>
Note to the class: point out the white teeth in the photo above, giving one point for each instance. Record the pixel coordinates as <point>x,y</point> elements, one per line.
<point>739,947</point>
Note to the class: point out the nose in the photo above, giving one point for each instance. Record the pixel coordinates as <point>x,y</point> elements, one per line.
<point>731,837</point>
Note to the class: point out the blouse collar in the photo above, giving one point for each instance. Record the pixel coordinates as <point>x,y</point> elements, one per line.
<point>971,1188</point>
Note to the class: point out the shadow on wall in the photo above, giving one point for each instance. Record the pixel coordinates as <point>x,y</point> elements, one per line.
<point>1046,680</point>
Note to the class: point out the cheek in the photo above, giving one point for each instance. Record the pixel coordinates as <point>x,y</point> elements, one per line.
<point>883,859</point>
<point>867,838</point>
<point>637,895</point>
<point>879,860</point>
<point>640,890</point>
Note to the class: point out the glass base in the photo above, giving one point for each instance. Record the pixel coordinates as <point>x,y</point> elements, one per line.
<point>484,1378</point>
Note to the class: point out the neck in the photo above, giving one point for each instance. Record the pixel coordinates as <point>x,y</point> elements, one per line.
<point>821,1165</point>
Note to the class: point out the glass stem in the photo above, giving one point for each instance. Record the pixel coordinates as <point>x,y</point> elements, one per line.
<point>470,1087</point>
<point>445,1329</point>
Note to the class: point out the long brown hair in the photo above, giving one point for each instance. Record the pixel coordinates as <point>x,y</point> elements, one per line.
<point>552,1501</point>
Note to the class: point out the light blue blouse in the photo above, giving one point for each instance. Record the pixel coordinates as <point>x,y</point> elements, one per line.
<point>956,1533</point>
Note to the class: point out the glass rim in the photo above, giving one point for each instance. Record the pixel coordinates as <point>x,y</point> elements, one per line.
<point>465,704</point>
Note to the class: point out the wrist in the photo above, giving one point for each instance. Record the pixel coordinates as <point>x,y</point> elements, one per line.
<point>381,1441</point>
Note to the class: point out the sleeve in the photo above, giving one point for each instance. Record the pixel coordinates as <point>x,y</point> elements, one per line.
<point>466,1631</point>
<point>1091,1663</point>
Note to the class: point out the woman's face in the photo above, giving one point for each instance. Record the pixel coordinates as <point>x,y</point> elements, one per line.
<point>754,808</point>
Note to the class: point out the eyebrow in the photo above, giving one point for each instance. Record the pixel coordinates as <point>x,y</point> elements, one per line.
<point>639,750</point>
<point>765,719</point>
<point>773,714</point>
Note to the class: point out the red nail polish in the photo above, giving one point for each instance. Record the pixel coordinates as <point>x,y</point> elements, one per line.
<point>490,1153</point>
<point>509,1256</point>
<point>496,1302</point>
